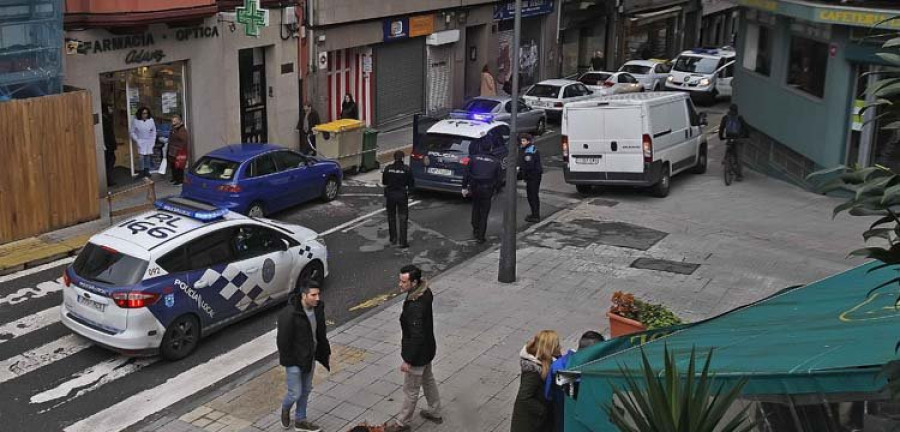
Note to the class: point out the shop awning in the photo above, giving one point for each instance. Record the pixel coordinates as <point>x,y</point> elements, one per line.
<point>640,19</point>
<point>827,337</point>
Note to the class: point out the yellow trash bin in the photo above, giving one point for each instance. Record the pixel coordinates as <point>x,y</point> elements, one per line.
<point>342,141</point>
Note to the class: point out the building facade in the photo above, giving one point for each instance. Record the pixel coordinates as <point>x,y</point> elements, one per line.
<point>407,57</point>
<point>800,81</point>
<point>720,23</point>
<point>196,59</point>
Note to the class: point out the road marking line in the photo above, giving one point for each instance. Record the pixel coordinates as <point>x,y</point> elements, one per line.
<point>39,357</point>
<point>361,218</point>
<point>42,289</point>
<point>362,195</point>
<point>29,324</point>
<point>38,269</point>
<point>93,378</point>
<point>150,401</point>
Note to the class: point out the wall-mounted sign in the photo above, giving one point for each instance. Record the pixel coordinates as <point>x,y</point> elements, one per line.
<point>323,60</point>
<point>135,41</point>
<point>396,28</point>
<point>367,63</point>
<point>144,56</point>
<point>422,25</point>
<point>252,17</point>
<point>507,10</point>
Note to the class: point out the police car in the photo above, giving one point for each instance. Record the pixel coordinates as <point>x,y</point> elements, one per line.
<point>438,161</point>
<point>158,282</point>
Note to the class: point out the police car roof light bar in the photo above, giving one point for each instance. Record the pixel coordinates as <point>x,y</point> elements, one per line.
<point>190,208</point>
<point>481,117</point>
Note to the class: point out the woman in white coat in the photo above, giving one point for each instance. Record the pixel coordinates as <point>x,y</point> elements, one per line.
<point>143,133</point>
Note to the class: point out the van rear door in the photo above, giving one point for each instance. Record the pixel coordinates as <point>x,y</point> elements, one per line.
<point>605,138</point>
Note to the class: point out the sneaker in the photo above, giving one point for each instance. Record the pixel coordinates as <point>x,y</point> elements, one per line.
<point>431,417</point>
<point>305,426</point>
<point>403,246</point>
<point>396,428</point>
<point>286,418</point>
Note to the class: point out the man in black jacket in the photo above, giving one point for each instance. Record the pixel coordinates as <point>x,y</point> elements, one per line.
<point>397,180</point>
<point>531,170</point>
<point>480,180</point>
<point>734,130</point>
<point>301,342</point>
<point>417,348</point>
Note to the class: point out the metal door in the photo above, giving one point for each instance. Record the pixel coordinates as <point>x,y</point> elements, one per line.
<point>399,80</point>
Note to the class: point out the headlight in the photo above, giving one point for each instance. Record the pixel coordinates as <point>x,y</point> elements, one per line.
<point>704,82</point>
<point>670,78</point>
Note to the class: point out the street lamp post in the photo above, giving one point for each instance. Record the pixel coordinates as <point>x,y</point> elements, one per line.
<point>507,273</point>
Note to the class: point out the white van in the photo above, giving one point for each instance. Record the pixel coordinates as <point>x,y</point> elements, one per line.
<point>704,73</point>
<point>635,139</point>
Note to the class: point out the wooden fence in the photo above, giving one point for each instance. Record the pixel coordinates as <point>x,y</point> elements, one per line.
<point>48,165</point>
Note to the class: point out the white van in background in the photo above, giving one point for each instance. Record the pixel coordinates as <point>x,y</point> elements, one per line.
<point>704,73</point>
<point>635,139</point>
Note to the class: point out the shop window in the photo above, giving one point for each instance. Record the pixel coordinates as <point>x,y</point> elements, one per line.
<point>807,65</point>
<point>758,49</point>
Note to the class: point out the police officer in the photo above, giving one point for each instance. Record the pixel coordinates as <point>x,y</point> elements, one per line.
<point>481,180</point>
<point>397,180</point>
<point>531,170</point>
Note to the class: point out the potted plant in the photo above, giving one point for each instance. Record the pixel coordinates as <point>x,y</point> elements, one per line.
<point>629,315</point>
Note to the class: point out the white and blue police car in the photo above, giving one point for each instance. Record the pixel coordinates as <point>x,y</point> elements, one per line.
<point>158,282</point>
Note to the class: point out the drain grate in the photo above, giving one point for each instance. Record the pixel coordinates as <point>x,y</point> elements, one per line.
<point>665,265</point>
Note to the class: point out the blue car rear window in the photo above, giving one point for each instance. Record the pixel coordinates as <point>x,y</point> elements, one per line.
<point>215,169</point>
<point>106,265</point>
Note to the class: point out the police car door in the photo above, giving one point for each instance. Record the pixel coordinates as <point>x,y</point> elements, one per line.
<point>261,256</point>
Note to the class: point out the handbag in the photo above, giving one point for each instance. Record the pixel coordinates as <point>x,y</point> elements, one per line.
<point>180,160</point>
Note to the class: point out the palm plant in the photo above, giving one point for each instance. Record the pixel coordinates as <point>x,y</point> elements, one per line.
<point>676,402</point>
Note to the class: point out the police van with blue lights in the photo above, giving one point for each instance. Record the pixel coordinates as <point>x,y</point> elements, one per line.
<point>439,159</point>
<point>158,282</point>
<point>705,73</point>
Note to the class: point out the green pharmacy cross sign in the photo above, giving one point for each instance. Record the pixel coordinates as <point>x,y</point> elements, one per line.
<point>252,17</point>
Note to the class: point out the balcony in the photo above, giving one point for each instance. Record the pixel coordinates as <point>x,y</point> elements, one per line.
<point>129,13</point>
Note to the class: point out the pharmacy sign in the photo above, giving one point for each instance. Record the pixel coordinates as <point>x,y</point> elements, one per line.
<point>252,17</point>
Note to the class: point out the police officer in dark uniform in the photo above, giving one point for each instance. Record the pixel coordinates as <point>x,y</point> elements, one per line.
<point>481,180</point>
<point>531,170</point>
<point>397,180</point>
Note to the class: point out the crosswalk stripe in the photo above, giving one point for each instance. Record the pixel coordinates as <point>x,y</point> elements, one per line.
<point>153,400</point>
<point>93,378</point>
<point>29,324</point>
<point>42,289</point>
<point>42,356</point>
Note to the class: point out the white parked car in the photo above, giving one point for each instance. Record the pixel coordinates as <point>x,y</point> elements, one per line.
<point>704,73</point>
<point>551,95</point>
<point>652,74</point>
<point>610,83</point>
<point>637,139</point>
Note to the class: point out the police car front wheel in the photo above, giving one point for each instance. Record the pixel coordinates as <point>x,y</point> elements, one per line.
<point>181,338</point>
<point>312,271</point>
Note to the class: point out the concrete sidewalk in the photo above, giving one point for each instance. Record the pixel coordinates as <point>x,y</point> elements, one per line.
<point>742,242</point>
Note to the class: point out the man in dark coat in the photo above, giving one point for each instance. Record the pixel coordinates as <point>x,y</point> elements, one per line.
<point>481,180</point>
<point>417,348</point>
<point>308,120</point>
<point>397,180</point>
<point>109,145</point>
<point>301,342</point>
<point>734,129</point>
<point>531,170</point>
<point>179,142</point>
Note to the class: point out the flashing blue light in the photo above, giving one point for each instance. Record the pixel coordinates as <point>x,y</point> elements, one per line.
<point>481,117</point>
<point>187,209</point>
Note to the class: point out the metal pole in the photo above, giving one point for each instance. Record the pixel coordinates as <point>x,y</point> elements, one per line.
<point>507,273</point>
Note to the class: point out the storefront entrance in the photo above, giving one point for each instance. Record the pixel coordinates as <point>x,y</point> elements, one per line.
<point>160,88</point>
<point>252,63</point>
<point>871,142</point>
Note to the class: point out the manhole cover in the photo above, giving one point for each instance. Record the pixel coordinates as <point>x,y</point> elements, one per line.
<point>665,265</point>
<point>584,232</point>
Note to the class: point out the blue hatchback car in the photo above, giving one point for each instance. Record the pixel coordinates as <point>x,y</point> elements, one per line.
<point>260,179</point>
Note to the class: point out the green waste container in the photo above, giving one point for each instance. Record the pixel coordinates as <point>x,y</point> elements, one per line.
<point>369,150</point>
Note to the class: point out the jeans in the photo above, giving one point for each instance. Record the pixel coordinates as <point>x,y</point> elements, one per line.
<point>419,377</point>
<point>147,162</point>
<point>299,386</point>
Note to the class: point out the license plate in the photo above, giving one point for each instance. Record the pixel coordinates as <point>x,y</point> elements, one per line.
<point>91,303</point>
<point>587,160</point>
<point>440,171</point>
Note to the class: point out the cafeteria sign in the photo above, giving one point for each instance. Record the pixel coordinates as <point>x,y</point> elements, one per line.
<point>507,10</point>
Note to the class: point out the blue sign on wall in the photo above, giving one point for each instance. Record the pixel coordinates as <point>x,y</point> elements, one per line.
<point>396,28</point>
<point>507,10</point>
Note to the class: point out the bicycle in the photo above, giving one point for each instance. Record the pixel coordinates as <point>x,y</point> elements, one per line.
<point>730,170</point>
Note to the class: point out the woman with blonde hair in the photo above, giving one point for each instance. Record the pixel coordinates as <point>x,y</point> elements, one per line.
<point>488,84</point>
<point>532,411</point>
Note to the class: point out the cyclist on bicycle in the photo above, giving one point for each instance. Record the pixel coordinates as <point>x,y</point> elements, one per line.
<point>734,129</point>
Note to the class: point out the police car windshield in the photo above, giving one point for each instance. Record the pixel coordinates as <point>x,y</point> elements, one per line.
<point>481,105</point>
<point>108,266</point>
<point>215,169</point>
<point>447,143</point>
<point>543,90</point>
<point>704,65</point>
<point>635,69</point>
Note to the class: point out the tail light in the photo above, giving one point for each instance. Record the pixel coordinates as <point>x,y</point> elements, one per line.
<point>557,104</point>
<point>648,148</point>
<point>608,83</point>
<point>416,156</point>
<point>134,299</point>
<point>565,148</point>
<point>67,281</point>
<point>464,161</point>
<point>230,188</point>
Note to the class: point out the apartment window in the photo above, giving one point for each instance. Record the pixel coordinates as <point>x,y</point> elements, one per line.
<point>807,65</point>
<point>758,49</point>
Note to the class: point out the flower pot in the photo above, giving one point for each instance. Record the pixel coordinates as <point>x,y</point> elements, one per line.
<point>621,326</point>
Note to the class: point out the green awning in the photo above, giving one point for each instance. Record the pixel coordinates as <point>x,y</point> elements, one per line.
<point>823,338</point>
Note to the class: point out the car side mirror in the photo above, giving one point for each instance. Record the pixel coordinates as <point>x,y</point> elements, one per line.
<point>285,245</point>
<point>703,120</point>
<point>590,92</point>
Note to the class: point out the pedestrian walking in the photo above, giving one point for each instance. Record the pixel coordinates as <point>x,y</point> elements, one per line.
<point>308,121</point>
<point>532,410</point>
<point>301,342</point>
<point>488,84</point>
<point>349,110</point>
<point>531,170</point>
<point>143,134</point>
<point>397,180</point>
<point>555,393</point>
<point>480,180</point>
<point>177,153</point>
<point>417,348</point>
<point>734,129</point>
<point>109,145</point>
